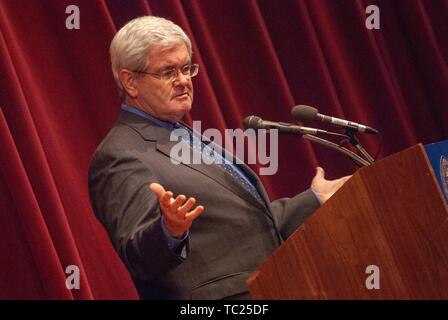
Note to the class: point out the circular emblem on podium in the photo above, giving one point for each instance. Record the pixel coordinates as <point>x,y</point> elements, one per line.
<point>444,173</point>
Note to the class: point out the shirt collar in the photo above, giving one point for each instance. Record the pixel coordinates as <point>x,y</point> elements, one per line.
<point>161,123</point>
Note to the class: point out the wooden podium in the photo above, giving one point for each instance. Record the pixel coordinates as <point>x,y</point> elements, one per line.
<point>388,223</point>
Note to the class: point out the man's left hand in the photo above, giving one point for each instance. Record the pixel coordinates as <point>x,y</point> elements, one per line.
<point>323,188</point>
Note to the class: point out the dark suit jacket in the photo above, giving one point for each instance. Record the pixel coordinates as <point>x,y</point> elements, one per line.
<point>233,236</point>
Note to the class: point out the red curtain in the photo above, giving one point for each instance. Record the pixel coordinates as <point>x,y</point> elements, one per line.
<point>58,100</point>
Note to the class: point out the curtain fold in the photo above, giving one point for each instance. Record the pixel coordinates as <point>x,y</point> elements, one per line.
<point>58,100</point>
<point>29,217</point>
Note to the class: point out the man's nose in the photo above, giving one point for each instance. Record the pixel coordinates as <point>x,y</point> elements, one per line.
<point>182,79</point>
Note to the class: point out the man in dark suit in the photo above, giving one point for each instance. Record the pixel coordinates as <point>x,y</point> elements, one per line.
<point>138,189</point>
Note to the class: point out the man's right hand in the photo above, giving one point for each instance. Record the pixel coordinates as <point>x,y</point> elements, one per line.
<point>176,211</point>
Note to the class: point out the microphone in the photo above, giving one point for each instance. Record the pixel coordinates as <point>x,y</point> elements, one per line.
<point>254,122</point>
<point>306,113</point>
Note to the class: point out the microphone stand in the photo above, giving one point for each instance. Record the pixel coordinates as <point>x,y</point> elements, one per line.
<point>354,141</point>
<point>361,162</point>
<point>310,135</point>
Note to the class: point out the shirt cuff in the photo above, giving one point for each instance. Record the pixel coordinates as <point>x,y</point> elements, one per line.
<point>318,198</point>
<point>173,243</point>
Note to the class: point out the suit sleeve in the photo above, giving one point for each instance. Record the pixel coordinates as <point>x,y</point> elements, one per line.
<point>129,210</point>
<point>290,213</point>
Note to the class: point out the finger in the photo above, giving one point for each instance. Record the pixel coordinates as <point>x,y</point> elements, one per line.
<point>195,213</point>
<point>157,189</point>
<point>163,196</point>
<point>187,206</point>
<point>320,173</point>
<point>166,199</point>
<point>174,207</point>
<point>343,179</point>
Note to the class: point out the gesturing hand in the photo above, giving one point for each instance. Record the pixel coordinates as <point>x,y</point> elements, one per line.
<point>326,188</point>
<point>177,215</point>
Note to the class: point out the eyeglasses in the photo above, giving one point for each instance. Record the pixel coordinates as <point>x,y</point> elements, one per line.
<point>170,75</point>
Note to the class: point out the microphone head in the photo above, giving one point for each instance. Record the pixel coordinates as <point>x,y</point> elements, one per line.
<point>304,113</point>
<point>251,122</point>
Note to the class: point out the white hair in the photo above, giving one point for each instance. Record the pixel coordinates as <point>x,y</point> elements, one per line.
<point>130,46</point>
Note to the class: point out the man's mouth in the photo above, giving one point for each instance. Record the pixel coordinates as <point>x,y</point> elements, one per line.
<point>181,95</point>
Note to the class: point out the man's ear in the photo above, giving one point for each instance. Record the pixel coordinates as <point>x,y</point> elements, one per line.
<point>128,81</point>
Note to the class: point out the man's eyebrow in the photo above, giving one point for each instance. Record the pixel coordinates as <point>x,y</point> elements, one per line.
<point>173,66</point>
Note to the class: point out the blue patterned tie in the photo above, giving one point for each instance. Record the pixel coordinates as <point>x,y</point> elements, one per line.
<point>247,185</point>
<point>222,162</point>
